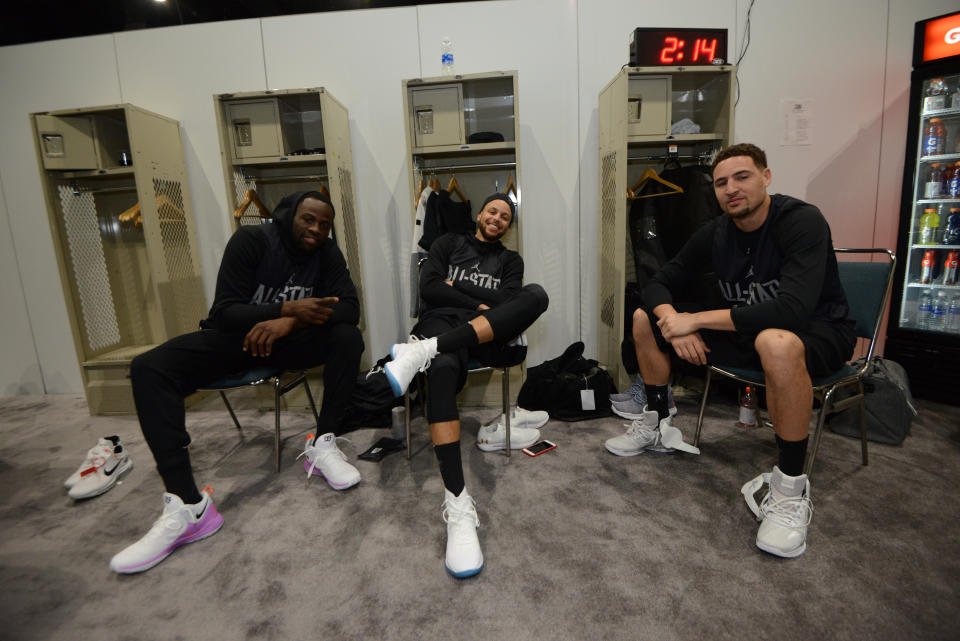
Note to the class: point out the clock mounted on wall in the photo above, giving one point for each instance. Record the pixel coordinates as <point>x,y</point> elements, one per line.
<point>656,47</point>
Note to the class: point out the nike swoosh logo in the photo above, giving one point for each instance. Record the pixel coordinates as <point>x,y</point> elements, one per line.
<point>108,472</point>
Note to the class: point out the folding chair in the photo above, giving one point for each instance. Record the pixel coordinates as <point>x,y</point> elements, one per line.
<point>867,286</point>
<point>264,376</point>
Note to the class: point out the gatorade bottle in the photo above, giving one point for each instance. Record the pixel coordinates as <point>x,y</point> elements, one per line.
<point>748,409</point>
<point>934,137</point>
<point>950,268</point>
<point>951,229</point>
<point>934,186</point>
<point>952,180</point>
<point>936,95</point>
<point>929,223</point>
<point>927,266</point>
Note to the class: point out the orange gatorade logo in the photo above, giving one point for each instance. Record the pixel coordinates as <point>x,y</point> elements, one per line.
<point>941,38</point>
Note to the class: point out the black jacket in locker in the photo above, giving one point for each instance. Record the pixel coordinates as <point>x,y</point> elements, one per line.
<point>481,272</point>
<point>262,267</point>
<point>444,215</point>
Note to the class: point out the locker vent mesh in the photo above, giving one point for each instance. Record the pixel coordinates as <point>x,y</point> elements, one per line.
<point>608,240</point>
<point>89,267</point>
<point>350,244</point>
<point>183,292</point>
<point>241,184</point>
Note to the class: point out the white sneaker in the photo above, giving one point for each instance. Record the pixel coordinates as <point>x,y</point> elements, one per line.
<point>649,434</point>
<point>493,437</point>
<point>323,457</point>
<point>104,448</point>
<point>178,525</point>
<point>464,557</point>
<point>520,417</point>
<point>106,468</point>
<point>408,359</point>
<point>785,512</point>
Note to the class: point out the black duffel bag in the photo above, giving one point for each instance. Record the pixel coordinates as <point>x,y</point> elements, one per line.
<point>555,387</point>
<point>887,401</point>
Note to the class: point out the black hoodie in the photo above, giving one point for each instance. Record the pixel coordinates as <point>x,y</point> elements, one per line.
<point>263,266</point>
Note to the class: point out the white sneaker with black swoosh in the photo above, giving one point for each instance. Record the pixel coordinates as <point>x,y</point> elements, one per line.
<point>105,470</point>
<point>104,447</point>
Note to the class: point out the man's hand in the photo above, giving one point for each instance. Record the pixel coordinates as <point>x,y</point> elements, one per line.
<point>691,348</point>
<point>482,306</point>
<point>259,340</point>
<point>309,311</point>
<point>677,324</point>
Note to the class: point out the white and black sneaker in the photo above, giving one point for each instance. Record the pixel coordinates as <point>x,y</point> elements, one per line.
<point>408,359</point>
<point>103,448</point>
<point>104,472</point>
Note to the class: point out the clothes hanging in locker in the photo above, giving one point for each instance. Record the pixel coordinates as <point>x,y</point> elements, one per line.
<point>445,215</point>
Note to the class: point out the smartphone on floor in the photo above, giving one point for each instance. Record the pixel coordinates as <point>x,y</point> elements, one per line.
<point>539,448</point>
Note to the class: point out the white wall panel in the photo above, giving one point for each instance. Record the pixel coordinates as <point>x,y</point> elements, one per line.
<point>361,58</point>
<point>175,72</point>
<point>62,74</point>
<point>841,70</point>
<point>20,373</point>
<point>603,44</point>
<point>538,39</point>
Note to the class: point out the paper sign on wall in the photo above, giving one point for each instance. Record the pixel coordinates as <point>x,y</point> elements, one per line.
<point>797,116</point>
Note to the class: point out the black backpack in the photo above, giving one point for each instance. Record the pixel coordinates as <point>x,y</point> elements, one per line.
<point>555,385</point>
<point>887,400</point>
<point>372,400</point>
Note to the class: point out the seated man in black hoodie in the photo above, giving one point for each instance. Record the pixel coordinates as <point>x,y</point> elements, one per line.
<point>284,298</point>
<point>474,304</point>
<point>785,313</point>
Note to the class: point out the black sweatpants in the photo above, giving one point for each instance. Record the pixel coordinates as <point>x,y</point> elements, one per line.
<point>448,371</point>
<point>170,372</point>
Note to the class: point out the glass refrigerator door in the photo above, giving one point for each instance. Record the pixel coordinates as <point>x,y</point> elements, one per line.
<point>932,283</point>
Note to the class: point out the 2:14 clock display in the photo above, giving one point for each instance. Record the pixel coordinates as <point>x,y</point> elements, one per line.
<point>656,47</point>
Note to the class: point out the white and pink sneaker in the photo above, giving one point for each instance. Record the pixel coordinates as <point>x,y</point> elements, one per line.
<point>178,525</point>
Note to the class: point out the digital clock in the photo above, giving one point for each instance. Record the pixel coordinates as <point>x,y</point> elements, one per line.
<point>655,47</point>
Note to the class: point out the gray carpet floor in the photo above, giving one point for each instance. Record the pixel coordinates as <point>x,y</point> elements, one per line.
<point>579,544</point>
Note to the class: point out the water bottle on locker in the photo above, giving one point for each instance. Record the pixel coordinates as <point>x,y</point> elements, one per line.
<point>953,315</point>
<point>924,309</point>
<point>446,56</point>
<point>938,312</point>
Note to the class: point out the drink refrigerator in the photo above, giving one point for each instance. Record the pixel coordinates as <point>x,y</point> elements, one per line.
<point>923,332</point>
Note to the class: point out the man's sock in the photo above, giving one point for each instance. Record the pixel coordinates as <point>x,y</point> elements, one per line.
<point>451,467</point>
<point>657,400</point>
<point>792,456</point>
<point>457,338</point>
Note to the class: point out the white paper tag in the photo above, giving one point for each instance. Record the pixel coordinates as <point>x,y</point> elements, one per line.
<point>587,401</point>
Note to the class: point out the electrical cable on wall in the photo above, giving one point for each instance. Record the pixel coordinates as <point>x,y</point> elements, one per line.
<point>743,50</point>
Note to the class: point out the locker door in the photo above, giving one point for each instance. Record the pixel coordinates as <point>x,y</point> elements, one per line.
<point>254,128</point>
<point>437,115</point>
<point>66,142</point>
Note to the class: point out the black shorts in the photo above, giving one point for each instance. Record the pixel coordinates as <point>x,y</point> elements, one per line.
<point>828,346</point>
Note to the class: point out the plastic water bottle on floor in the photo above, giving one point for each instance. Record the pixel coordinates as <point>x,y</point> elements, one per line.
<point>748,409</point>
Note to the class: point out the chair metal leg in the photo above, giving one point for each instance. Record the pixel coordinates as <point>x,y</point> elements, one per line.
<point>406,419</point>
<point>226,402</point>
<point>863,422</point>
<point>506,405</point>
<point>703,406</point>
<point>313,405</point>
<point>824,408</point>
<point>276,416</point>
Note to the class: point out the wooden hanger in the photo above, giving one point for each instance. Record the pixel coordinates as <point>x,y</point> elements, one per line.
<point>455,188</point>
<point>323,190</point>
<point>650,174</point>
<point>511,186</point>
<point>132,214</point>
<point>138,221</point>
<point>251,198</point>
<point>435,184</point>
<point>168,207</point>
<point>416,201</point>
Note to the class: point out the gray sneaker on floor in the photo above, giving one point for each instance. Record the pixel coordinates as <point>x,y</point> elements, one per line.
<point>632,408</point>
<point>636,386</point>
